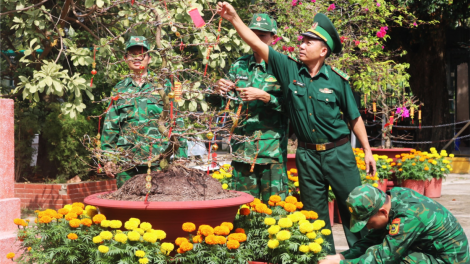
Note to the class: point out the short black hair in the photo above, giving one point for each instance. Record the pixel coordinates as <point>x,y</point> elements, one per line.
<point>328,53</point>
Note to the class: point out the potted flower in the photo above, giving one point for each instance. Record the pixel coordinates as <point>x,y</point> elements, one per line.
<point>384,170</point>
<point>331,205</point>
<point>439,168</point>
<point>413,170</point>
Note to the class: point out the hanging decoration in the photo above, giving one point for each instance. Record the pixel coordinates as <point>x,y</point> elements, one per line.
<point>196,17</point>
<point>178,91</point>
<point>419,116</point>
<point>391,122</point>
<point>374,108</point>
<point>93,72</point>
<point>412,114</point>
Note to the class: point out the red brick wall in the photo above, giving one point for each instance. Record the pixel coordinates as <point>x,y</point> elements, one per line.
<point>55,196</point>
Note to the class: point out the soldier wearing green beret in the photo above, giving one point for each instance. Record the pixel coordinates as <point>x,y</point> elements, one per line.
<point>259,165</point>
<point>315,95</point>
<point>405,227</point>
<point>129,111</point>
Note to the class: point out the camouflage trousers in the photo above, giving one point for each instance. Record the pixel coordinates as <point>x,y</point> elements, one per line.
<point>420,258</point>
<point>264,181</point>
<point>124,176</point>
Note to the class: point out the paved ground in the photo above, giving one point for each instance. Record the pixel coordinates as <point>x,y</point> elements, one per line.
<point>455,197</point>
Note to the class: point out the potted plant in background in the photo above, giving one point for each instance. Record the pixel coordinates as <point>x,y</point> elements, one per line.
<point>384,171</point>
<point>414,169</point>
<point>439,167</point>
<point>331,205</point>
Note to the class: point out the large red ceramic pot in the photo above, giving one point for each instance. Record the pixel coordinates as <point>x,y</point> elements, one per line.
<point>432,189</point>
<point>331,210</point>
<point>291,162</point>
<point>170,216</point>
<point>382,185</point>
<point>414,185</point>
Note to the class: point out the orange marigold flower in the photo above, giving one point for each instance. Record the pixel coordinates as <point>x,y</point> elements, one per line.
<point>268,211</point>
<point>221,240</point>
<point>86,222</point>
<point>97,219</point>
<point>186,246</point>
<point>189,227</point>
<point>281,203</point>
<point>393,164</point>
<point>430,160</point>
<point>299,205</point>
<point>227,224</point>
<point>260,207</point>
<point>45,219</point>
<point>404,159</point>
<point>64,211</point>
<point>400,169</point>
<point>211,240</point>
<point>180,241</point>
<point>275,198</point>
<point>70,216</point>
<point>221,230</point>
<point>10,255</point>
<point>77,210</point>
<point>399,164</point>
<point>290,199</point>
<point>233,244</point>
<point>290,207</point>
<point>18,221</point>
<point>240,237</point>
<point>74,223</point>
<point>240,230</point>
<point>205,230</point>
<point>255,202</point>
<point>245,211</point>
<point>59,216</point>
<point>29,248</point>
<point>80,205</point>
<point>180,251</point>
<point>397,156</point>
<point>271,203</point>
<point>313,215</point>
<point>72,236</point>
<point>306,213</point>
<point>422,159</point>
<point>197,239</point>
<point>426,168</point>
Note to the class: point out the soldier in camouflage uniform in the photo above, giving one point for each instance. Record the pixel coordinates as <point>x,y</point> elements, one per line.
<point>266,123</point>
<point>407,227</point>
<point>129,112</point>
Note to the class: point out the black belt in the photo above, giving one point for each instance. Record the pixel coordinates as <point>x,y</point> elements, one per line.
<point>326,146</point>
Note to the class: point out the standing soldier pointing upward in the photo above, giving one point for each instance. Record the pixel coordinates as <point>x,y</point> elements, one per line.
<point>315,94</point>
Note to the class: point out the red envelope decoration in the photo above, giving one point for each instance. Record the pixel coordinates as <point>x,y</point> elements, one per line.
<point>196,17</point>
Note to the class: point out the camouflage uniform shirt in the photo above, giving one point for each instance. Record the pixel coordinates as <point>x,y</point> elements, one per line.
<point>266,122</point>
<point>138,108</point>
<point>420,230</point>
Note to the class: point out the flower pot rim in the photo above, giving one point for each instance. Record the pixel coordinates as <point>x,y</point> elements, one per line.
<point>392,149</point>
<point>171,205</point>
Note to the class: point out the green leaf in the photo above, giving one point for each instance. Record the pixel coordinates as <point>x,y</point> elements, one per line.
<point>204,106</point>
<point>192,106</point>
<point>90,95</point>
<point>89,3</point>
<point>71,32</point>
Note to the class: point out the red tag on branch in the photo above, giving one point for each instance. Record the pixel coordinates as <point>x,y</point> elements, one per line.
<point>196,17</point>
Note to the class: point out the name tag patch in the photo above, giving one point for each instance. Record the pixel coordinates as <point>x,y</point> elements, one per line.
<point>299,83</point>
<point>326,90</point>
<point>395,226</point>
<point>242,77</point>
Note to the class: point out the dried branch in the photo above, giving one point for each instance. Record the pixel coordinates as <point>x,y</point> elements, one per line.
<point>23,9</point>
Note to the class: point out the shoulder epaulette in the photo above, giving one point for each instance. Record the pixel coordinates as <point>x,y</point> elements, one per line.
<point>340,73</point>
<point>294,59</point>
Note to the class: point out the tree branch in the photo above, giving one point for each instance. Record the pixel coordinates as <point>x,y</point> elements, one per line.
<point>23,9</point>
<point>83,26</point>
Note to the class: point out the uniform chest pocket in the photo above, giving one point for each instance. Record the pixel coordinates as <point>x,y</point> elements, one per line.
<point>297,97</point>
<point>326,105</point>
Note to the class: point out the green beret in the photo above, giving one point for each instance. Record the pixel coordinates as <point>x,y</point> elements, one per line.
<point>324,29</point>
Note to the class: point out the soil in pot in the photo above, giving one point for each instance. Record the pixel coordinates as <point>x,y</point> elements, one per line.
<point>177,183</point>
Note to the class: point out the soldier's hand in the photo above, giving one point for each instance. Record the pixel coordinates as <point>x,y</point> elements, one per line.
<point>223,86</point>
<point>252,94</point>
<point>110,169</point>
<point>226,11</point>
<point>329,261</point>
<point>371,168</point>
<point>335,257</point>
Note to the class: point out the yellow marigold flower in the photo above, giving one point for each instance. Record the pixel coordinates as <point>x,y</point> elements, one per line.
<point>319,240</point>
<point>311,235</point>
<point>443,169</point>
<point>80,205</point>
<point>115,224</point>
<point>233,244</point>
<point>143,260</point>
<point>314,247</point>
<point>180,240</point>
<point>197,239</point>
<point>160,234</point>
<point>186,246</point>
<point>273,243</point>
<point>224,186</point>
<point>451,155</point>
<point>133,236</point>
<point>90,211</point>
<point>131,225</point>
<point>285,222</point>
<point>228,225</point>
<point>275,198</point>
<point>10,255</point>
<point>205,230</point>
<point>140,231</point>
<point>221,230</point>
<point>72,236</point>
<point>97,219</point>
<point>103,249</point>
<point>283,235</point>
<point>145,226</point>
<point>384,166</point>
<point>321,222</point>
<point>150,237</point>
<point>448,166</point>
<point>269,221</point>
<point>189,227</point>
<point>68,207</point>
<point>120,237</point>
<point>304,249</point>
<point>140,253</point>
<point>293,217</point>
<point>70,216</point>
<point>166,248</point>
<point>274,229</point>
<point>86,222</point>
<point>106,235</point>
<point>306,227</point>
<point>290,207</point>
<point>375,185</point>
<point>46,219</point>
<point>97,239</point>
<point>290,199</point>
<point>74,223</point>
<point>293,170</point>
<point>301,222</point>
<point>105,223</point>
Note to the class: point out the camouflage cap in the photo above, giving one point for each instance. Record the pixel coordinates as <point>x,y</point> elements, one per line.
<point>263,22</point>
<point>137,41</point>
<point>363,202</point>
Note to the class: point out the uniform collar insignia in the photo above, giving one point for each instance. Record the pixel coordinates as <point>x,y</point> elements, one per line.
<point>314,26</point>
<point>326,90</point>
